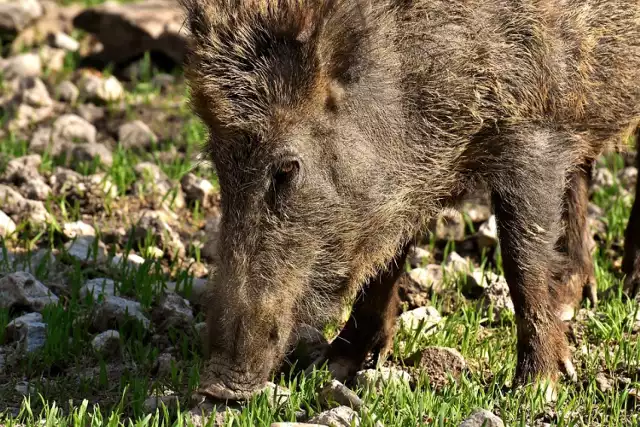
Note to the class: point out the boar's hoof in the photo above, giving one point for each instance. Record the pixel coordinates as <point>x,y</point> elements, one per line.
<point>218,390</point>
<point>340,369</point>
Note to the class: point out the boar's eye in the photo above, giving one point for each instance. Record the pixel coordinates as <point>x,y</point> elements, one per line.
<point>286,172</point>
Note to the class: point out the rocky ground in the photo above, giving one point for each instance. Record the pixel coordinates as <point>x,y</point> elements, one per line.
<point>108,218</point>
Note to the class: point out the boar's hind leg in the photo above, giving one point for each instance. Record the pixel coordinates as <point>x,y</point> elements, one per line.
<point>528,198</point>
<point>631,260</point>
<point>578,281</point>
<point>370,327</point>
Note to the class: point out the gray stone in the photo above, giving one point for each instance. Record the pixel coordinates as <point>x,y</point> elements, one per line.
<point>153,181</point>
<point>22,169</point>
<point>21,289</point>
<point>36,189</point>
<point>377,378</point>
<point>91,151</point>
<point>136,135</point>
<point>197,189</point>
<point>426,277</point>
<point>25,115</point>
<point>628,177</point>
<point>173,312</point>
<point>482,418</point>
<point>496,293</point>
<point>156,403</point>
<point>449,225</point>
<point>16,15</point>
<point>91,112</point>
<point>440,364</point>
<point>163,81</point>
<point>78,228</point>
<point>153,223</point>
<point>114,312</point>
<point>603,382</point>
<point>86,249</point>
<point>64,41</point>
<point>286,424</point>
<point>20,66</point>
<point>42,142</point>
<point>33,92</point>
<point>67,92</point>
<point>476,212</point>
<point>339,393</point>
<point>488,234</point>
<point>457,264</point>
<point>7,226</point>
<point>29,331</point>
<point>52,58</point>
<point>106,343</point>
<point>342,416</point>
<point>22,209</point>
<point>419,257</point>
<point>97,89</point>
<point>165,362</point>
<point>276,394</point>
<point>602,178</point>
<point>69,129</point>
<point>98,288</point>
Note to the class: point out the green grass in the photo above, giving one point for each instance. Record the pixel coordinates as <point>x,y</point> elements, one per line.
<point>72,386</point>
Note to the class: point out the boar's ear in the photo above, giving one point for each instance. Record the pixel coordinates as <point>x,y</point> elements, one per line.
<point>197,14</point>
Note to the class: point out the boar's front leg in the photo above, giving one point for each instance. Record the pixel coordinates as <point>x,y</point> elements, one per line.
<point>631,260</point>
<point>528,183</point>
<point>371,326</point>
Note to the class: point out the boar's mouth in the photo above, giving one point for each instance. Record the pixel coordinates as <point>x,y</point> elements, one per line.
<point>221,380</point>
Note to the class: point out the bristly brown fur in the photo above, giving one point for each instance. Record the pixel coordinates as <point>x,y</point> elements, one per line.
<point>391,110</point>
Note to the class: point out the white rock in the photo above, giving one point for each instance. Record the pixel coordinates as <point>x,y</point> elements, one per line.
<point>78,228</point>
<point>426,277</point>
<point>488,234</point>
<point>34,92</point>
<point>197,189</point>
<point>428,316</point>
<point>482,418</point>
<point>342,416</point>
<point>52,58</point>
<point>95,88</point>
<point>67,92</point>
<point>16,15</point>
<point>24,65</point>
<point>375,378</point>
<point>136,135</point>
<point>65,41</point>
<point>132,260</point>
<point>457,264</point>
<point>419,256</point>
<point>69,129</point>
<point>7,226</point>
<point>114,312</point>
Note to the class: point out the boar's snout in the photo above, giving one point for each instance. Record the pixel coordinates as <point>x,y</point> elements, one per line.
<point>243,351</point>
